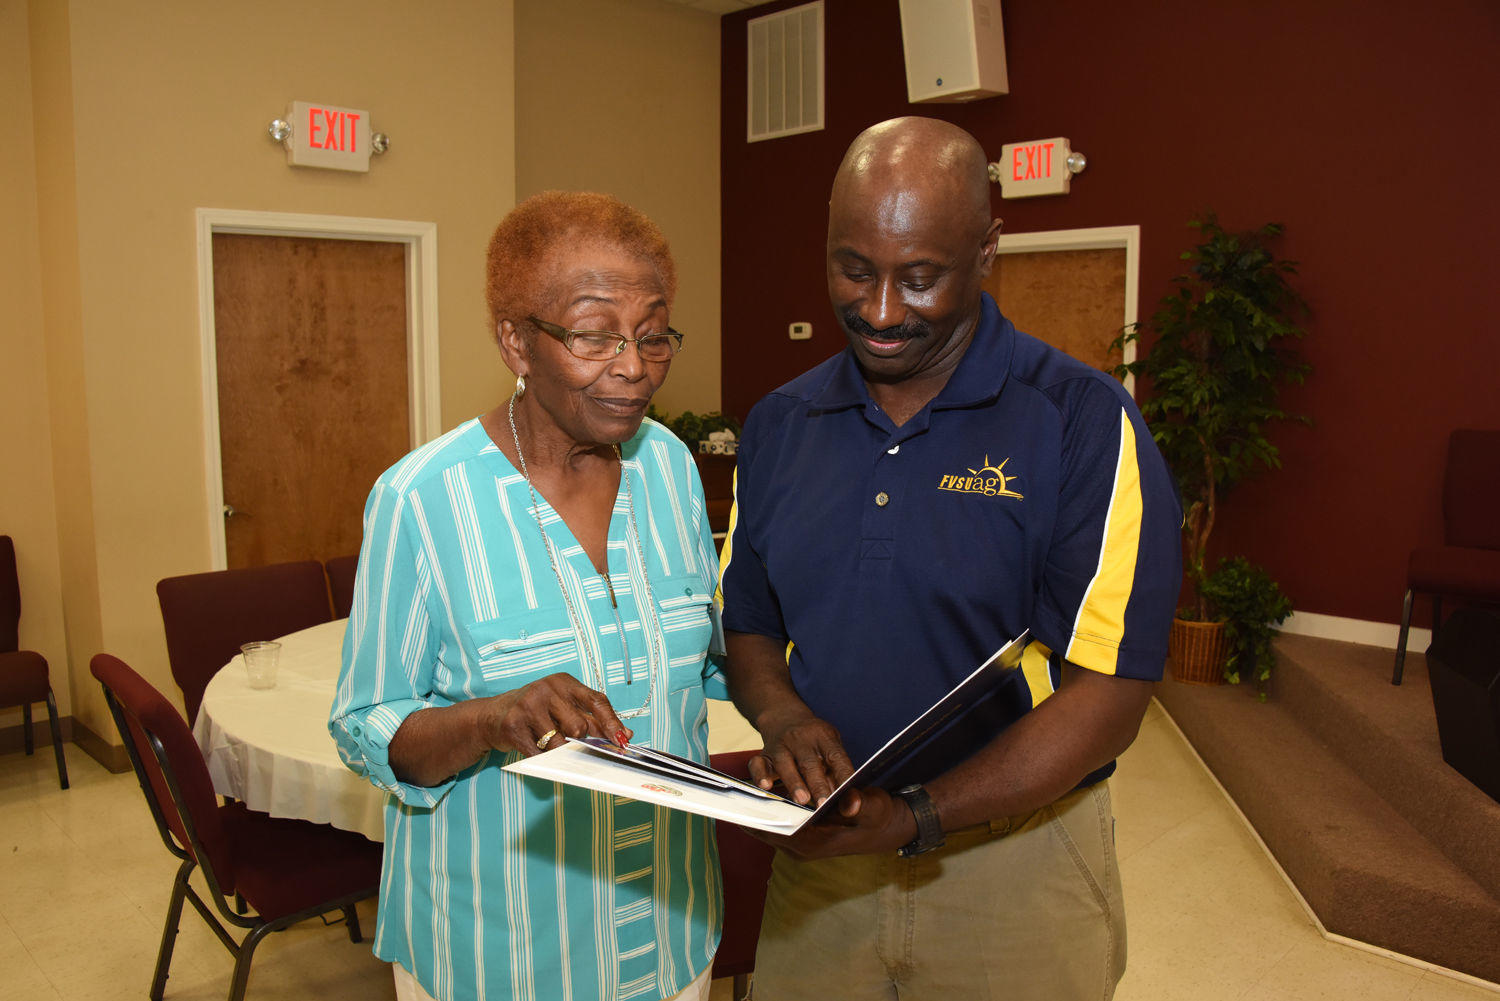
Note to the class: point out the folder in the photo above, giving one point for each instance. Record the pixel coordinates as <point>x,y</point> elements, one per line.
<point>949,731</point>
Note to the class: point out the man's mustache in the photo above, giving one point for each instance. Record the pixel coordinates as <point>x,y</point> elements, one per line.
<point>908,331</point>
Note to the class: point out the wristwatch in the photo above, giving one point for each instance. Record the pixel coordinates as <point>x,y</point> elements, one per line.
<point>929,828</point>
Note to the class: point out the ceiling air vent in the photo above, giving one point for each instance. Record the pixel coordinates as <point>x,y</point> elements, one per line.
<point>785,73</point>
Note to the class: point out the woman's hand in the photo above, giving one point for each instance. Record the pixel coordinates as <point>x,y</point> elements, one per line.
<point>539,715</point>
<point>432,745</point>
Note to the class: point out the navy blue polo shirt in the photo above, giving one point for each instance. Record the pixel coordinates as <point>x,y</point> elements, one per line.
<point>893,561</point>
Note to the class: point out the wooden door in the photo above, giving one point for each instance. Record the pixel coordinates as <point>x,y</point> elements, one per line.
<point>311,339</point>
<point>1072,299</point>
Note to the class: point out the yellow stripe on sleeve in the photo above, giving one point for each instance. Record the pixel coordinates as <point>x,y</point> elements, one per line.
<point>725,553</point>
<point>1035,668</point>
<point>1100,625</point>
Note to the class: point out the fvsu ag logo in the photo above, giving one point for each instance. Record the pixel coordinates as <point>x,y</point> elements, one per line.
<point>988,480</point>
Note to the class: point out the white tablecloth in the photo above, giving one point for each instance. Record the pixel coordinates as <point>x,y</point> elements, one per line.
<point>271,748</point>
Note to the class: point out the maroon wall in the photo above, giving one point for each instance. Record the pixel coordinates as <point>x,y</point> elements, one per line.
<point>1367,127</point>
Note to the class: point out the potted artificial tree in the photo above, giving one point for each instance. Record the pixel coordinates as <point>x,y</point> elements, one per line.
<point>1250,604</point>
<point>1220,355</point>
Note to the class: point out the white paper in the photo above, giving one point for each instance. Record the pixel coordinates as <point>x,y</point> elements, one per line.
<point>577,764</point>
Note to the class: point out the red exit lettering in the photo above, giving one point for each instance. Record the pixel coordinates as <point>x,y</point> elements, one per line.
<point>338,128</point>
<point>1032,163</point>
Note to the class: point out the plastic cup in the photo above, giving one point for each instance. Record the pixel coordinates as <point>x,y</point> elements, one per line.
<point>261,658</point>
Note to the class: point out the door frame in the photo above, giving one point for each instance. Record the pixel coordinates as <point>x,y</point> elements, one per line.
<point>1092,238</point>
<point>420,239</point>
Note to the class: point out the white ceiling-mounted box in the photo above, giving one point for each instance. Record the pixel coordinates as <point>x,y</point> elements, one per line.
<point>955,50</point>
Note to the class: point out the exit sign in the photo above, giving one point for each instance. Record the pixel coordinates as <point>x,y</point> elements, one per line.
<point>327,136</point>
<point>1038,167</point>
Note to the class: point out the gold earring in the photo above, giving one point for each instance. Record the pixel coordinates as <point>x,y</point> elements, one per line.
<point>520,384</point>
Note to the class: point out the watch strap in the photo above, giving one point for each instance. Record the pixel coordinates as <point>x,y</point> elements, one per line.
<point>929,827</point>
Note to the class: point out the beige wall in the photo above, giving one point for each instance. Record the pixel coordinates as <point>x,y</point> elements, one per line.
<point>144,113</point>
<point>28,502</point>
<point>623,96</point>
<point>125,119</point>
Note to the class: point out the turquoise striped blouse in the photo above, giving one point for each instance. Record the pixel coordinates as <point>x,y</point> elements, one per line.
<point>497,886</point>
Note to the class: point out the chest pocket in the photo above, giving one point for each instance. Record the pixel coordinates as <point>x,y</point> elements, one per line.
<point>523,646</point>
<point>684,606</point>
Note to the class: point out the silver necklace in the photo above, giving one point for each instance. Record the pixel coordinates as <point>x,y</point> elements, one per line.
<point>574,619</point>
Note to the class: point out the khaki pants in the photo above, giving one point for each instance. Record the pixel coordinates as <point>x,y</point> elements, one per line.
<point>1024,909</point>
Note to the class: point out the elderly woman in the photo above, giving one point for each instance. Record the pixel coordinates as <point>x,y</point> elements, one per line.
<point>545,570</point>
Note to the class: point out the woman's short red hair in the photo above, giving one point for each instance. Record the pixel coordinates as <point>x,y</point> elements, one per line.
<point>516,282</point>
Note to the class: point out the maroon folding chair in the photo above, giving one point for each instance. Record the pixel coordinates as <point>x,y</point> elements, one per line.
<point>1466,567</point>
<point>287,870</point>
<point>746,865</point>
<point>208,615</point>
<point>24,679</point>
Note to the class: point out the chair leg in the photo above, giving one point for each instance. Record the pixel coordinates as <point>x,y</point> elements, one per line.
<point>242,959</point>
<point>57,749</point>
<point>169,930</point>
<point>741,986</point>
<point>351,920</point>
<point>26,728</point>
<point>1401,639</point>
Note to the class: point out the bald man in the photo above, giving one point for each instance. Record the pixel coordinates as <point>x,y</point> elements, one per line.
<point>903,510</point>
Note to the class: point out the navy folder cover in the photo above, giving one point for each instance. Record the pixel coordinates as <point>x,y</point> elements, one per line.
<point>957,725</point>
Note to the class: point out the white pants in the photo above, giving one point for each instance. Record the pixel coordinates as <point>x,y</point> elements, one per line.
<point>407,988</point>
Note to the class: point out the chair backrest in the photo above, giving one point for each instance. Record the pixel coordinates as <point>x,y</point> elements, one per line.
<point>170,767</point>
<point>10,598</point>
<point>746,865</point>
<point>1471,482</point>
<point>208,615</point>
<point>341,571</point>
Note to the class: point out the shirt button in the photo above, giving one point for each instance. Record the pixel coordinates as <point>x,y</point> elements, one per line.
<point>882,499</point>
<point>893,450</point>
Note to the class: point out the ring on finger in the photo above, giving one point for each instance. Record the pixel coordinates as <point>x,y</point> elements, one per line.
<point>545,739</point>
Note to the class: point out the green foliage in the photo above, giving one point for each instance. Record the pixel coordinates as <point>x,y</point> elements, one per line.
<point>1220,354</point>
<point>692,428</point>
<point>1251,604</point>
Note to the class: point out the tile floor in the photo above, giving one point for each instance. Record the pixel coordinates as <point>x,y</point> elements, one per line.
<point>84,884</point>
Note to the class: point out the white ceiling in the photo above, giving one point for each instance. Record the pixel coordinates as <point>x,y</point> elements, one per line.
<point>719,6</point>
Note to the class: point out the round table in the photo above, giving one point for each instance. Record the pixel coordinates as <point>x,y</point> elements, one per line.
<point>271,748</point>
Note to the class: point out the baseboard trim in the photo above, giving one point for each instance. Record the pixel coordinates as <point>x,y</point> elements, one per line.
<point>13,738</point>
<point>113,757</point>
<point>1361,631</point>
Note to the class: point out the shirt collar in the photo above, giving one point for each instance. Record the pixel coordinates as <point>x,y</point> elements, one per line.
<point>979,377</point>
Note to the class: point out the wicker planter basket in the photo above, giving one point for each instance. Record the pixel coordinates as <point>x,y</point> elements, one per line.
<point>1198,651</point>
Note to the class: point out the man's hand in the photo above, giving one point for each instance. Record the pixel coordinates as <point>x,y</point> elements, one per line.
<point>806,755</point>
<point>882,824</point>
<point>801,750</point>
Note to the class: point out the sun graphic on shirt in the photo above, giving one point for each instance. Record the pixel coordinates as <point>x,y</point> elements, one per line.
<point>998,472</point>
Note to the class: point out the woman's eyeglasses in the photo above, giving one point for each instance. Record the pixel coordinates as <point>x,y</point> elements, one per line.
<point>603,345</point>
